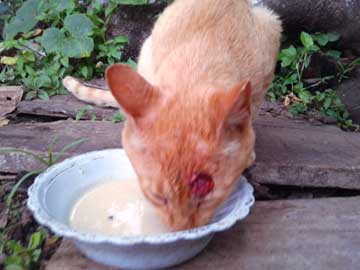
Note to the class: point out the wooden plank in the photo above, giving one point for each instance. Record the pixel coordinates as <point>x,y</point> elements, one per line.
<point>66,106</point>
<point>321,234</point>
<point>297,153</point>
<point>37,137</point>
<point>289,152</point>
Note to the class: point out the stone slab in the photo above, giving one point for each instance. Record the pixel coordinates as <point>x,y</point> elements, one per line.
<point>322,234</point>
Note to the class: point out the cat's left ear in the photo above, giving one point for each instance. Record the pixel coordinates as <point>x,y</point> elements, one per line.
<point>233,106</point>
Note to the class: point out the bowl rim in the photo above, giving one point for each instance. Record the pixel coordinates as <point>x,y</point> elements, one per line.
<point>240,210</point>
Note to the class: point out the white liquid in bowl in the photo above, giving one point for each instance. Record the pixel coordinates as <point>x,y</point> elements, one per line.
<point>116,208</point>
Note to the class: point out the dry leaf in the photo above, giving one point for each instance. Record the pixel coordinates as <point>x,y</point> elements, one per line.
<point>10,96</point>
<point>287,101</point>
<point>4,121</point>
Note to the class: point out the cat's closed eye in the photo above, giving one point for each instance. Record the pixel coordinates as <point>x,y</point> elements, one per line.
<point>205,204</point>
<point>158,199</point>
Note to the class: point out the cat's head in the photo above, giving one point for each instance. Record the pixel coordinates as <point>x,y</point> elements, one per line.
<point>188,151</point>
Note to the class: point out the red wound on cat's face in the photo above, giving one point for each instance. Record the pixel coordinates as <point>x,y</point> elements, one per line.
<point>201,184</point>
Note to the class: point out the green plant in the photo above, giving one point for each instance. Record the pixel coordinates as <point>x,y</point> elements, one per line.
<point>118,117</point>
<point>345,69</point>
<point>46,162</point>
<point>7,9</point>
<point>23,257</point>
<point>48,39</point>
<point>86,109</point>
<point>290,86</point>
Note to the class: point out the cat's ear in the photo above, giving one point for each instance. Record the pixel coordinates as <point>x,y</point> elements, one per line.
<point>233,106</point>
<point>133,93</point>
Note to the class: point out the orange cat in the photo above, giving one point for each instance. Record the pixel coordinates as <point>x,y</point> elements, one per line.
<point>202,75</point>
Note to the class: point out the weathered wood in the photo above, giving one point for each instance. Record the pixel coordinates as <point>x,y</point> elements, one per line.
<point>297,153</point>
<point>9,98</point>
<point>37,137</point>
<point>66,106</point>
<point>289,152</point>
<point>321,234</point>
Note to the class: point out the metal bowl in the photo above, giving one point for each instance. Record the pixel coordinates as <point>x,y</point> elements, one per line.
<point>55,191</point>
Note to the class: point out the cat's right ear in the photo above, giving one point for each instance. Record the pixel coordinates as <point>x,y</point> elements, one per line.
<point>134,94</point>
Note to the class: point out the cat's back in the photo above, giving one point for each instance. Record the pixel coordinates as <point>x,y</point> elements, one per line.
<point>192,35</point>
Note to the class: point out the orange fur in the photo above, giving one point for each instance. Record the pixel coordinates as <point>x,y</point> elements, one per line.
<point>202,75</point>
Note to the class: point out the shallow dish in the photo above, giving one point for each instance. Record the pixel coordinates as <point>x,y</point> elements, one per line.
<point>55,191</point>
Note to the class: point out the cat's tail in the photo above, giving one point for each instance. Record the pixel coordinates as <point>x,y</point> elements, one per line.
<point>89,94</point>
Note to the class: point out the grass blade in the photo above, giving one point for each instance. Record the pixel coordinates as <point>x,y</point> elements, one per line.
<point>68,147</point>
<point>18,184</point>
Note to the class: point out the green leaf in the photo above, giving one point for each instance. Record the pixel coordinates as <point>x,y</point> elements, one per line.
<point>78,47</point>
<point>61,5</point>
<point>4,8</point>
<point>28,56</point>
<point>13,260</point>
<point>334,53</point>
<point>322,39</point>
<point>131,2</point>
<point>285,62</point>
<point>327,102</point>
<point>121,39</point>
<point>43,81</point>
<point>35,240</point>
<point>35,255</point>
<point>30,95</point>
<point>117,117</point>
<point>24,21</point>
<point>64,61</point>
<point>79,25</point>
<point>84,71</point>
<point>307,61</point>
<point>297,108</point>
<point>43,95</point>
<point>306,40</point>
<point>52,40</point>
<point>333,36</point>
<point>305,96</point>
<point>14,267</point>
<point>131,63</point>
<point>314,48</point>
<point>80,114</point>
<point>289,52</point>
<point>291,79</point>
